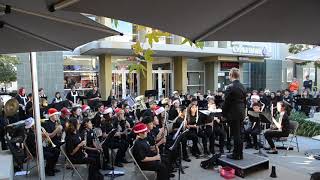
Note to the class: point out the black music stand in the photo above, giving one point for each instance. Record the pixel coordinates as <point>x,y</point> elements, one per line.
<point>112,175</point>
<point>263,117</point>
<point>178,144</point>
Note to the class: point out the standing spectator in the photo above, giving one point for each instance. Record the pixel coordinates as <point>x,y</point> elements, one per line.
<point>307,84</point>
<point>294,85</point>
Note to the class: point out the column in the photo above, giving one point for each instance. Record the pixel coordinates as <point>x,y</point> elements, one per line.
<point>160,88</point>
<point>105,75</point>
<point>210,75</point>
<point>146,80</point>
<point>180,74</point>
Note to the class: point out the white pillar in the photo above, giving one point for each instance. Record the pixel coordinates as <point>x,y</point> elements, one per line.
<point>124,84</point>
<point>160,88</point>
<point>36,115</point>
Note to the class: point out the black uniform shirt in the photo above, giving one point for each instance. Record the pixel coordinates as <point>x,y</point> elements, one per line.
<point>50,126</point>
<point>90,137</point>
<point>96,121</point>
<point>141,150</point>
<point>288,99</point>
<point>72,141</point>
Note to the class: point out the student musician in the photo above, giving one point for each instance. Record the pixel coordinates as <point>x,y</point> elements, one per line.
<point>174,110</point>
<point>22,99</point>
<point>96,121</point>
<point>42,94</point>
<point>73,96</point>
<point>75,149</point>
<point>94,98</point>
<point>280,127</point>
<point>54,130</point>
<point>305,108</point>
<point>57,98</point>
<point>253,129</point>
<point>76,113</point>
<point>145,157</point>
<point>119,141</point>
<point>192,121</point>
<point>287,97</point>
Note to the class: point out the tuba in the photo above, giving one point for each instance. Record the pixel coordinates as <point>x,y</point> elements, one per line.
<point>140,103</point>
<point>11,107</point>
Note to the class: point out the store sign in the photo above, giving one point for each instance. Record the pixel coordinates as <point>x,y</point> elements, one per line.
<point>249,50</point>
<point>224,66</point>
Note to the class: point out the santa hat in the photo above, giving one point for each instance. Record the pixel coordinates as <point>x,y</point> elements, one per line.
<point>140,128</point>
<point>53,111</point>
<point>158,110</point>
<point>65,111</point>
<point>85,108</point>
<point>255,97</point>
<point>118,110</point>
<point>107,111</point>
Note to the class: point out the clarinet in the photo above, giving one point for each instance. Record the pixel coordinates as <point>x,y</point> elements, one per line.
<point>85,139</point>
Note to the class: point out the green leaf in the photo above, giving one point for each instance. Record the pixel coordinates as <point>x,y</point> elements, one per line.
<point>155,35</point>
<point>148,55</point>
<point>137,49</point>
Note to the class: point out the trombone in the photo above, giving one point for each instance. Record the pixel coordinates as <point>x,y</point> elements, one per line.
<point>48,140</point>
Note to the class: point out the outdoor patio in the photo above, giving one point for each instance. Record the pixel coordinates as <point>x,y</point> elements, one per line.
<point>294,166</point>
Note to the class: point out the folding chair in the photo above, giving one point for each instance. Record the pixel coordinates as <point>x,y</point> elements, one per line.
<point>67,160</point>
<point>292,138</point>
<point>294,125</point>
<point>137,165</point>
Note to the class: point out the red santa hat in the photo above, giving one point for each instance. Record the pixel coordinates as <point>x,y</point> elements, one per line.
<point>53,111</point>
<point>140,128</point>
<point>158,110</point>
<point>107,110</point>
<point>85,107</point>
<point>118,110</point>
<point>65,111</point>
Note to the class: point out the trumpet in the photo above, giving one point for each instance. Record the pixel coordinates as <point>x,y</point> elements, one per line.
<point>48,139</point>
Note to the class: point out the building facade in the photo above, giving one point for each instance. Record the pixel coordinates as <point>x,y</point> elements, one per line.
<point>104,63</point>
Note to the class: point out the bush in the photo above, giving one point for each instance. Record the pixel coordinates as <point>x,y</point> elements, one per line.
<point>306,128</point>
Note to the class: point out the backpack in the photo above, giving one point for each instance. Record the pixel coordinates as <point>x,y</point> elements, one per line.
<point>210,163</point>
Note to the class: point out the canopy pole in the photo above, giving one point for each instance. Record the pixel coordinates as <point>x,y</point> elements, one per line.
<point>36,114</point>
<point>230,19</point>
<point>62,4</point>
<point>57,19</point>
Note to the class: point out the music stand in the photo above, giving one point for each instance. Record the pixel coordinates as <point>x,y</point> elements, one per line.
<point>112,175</point>
<point>177,143</point>
<point>262,118</point>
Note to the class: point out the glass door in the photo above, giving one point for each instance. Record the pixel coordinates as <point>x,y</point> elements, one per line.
<point>162,81</point>
<point>124,83</point>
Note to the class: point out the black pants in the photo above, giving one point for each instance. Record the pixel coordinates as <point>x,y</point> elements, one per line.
<point>211,133</point>
<point>191,135</point>
<point>236,129</point>
<point>120,144</point>
<point>270,134</point>
<point>251,133</point>
<point>2,138</point>
<point>159,167</point>
<point>93,162</point>
<point>51,155</point>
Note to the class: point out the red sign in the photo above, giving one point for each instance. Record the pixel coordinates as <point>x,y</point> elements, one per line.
<point>228,65</point>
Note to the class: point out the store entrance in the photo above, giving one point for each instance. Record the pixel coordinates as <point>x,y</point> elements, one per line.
<point>223,80</point>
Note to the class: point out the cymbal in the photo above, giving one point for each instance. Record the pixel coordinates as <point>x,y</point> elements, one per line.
<point>11,107</point>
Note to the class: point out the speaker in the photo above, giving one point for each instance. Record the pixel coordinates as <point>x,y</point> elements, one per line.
<point>149,93</point>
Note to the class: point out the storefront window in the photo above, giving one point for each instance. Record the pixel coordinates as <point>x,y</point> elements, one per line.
<point>223,74</point>
<point>80,71</point>
<point>195,82</point>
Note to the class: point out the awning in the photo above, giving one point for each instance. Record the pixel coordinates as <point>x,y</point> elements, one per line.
<point>307,55</point>
<point>288,21</point>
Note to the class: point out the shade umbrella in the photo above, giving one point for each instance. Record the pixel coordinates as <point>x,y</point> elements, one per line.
<point>294,21</point>
<point>27,26</point>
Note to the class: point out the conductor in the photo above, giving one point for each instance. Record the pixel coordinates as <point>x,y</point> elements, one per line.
<point>234,111</point>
